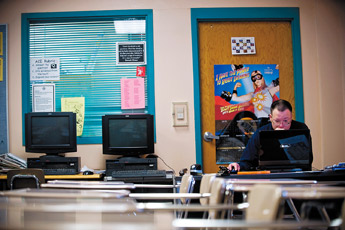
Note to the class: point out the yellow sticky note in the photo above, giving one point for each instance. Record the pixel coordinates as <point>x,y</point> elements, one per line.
<point>76,105</point>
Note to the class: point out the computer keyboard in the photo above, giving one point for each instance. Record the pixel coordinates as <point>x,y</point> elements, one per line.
<point>60,171</point>
<point>138,173</point>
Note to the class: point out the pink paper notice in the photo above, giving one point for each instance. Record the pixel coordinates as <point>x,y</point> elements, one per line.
<point>132,93</point>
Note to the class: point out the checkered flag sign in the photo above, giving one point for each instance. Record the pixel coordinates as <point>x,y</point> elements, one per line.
<point>243,45</point>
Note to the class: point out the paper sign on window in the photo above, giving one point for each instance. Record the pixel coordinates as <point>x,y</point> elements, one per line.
<point>44,69</point>
<point>77,106</point>
<point>132,93</point>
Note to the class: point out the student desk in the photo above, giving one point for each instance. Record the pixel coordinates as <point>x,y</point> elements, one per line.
<point>303,175</point>
<point>73,209</point>
<point>80,176</point>
<point>153,184</point>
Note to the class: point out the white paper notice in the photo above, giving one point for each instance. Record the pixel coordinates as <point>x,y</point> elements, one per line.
<point>44,69</point>
<point>43,98</point>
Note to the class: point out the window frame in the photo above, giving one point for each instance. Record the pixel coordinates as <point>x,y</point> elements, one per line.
<point>27,18</point>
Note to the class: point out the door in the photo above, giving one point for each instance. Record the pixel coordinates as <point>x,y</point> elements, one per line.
<point>273,46</point>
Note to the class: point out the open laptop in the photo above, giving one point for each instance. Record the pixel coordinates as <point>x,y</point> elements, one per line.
<point>285,150</point>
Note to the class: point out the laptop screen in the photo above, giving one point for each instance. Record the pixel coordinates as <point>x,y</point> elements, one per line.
<point>285,149</point>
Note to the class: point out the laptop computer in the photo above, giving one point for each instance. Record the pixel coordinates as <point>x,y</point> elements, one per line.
<point>285,150</point>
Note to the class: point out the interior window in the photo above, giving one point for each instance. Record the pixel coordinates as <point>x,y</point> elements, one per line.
<point>90,68</point>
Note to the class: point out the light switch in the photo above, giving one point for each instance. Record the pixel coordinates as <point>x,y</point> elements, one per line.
<point>180,114</point>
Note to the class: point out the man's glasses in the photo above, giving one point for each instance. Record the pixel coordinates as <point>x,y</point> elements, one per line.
<point>256,77</point>
<point>284,122</point>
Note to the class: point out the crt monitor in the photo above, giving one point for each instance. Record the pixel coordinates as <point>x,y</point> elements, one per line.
<point>128,134</point>
<point>52,133</point>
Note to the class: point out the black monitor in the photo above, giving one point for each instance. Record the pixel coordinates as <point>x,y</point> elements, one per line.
<point>52,133</point>
<point>285,150</point>
<point>128,135</point>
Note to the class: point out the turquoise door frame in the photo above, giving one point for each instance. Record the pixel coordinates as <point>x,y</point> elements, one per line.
<point>245,14</point>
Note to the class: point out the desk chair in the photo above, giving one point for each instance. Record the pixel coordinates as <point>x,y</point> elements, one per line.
<point>184,195</point>
<point>186,187</point>
<point>263,212</point>
<point>25,178</point>
<point>321,198</point>
<point>243,186</point>
<point>205,187</point>
<point>217,197</point>
<point>265,203</point>
<point>342,226</point>
<point>215,206</point>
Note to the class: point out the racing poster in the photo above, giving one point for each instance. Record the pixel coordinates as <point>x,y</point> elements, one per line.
<point>243,97</point>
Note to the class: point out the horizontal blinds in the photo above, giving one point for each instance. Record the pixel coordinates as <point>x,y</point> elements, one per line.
<point>87,52</point>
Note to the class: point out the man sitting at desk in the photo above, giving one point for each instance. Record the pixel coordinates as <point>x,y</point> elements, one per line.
<point>281,119</point>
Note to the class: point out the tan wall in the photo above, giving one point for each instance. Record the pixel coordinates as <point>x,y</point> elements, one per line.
<point>323,54</point>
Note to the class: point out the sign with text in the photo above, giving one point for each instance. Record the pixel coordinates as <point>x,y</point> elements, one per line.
<point>131,53</point>
<point>43,98</point>
<point>132,93</point>
<point>44,69</point>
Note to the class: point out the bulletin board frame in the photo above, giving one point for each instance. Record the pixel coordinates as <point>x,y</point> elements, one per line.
<point>4,135</point>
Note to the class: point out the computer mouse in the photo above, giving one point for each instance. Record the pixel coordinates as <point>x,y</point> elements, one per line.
<point>233,171</point>
<point>87,172</point>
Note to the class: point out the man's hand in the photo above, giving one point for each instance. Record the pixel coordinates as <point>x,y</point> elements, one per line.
<point>234,166</point>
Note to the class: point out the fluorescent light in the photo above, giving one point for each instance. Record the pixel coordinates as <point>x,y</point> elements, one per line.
<point>130,27</point>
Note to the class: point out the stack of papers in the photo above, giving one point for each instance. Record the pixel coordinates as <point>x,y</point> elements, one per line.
<point>11,161</point>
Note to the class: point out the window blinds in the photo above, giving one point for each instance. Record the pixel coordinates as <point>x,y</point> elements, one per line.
<point>87,53</point>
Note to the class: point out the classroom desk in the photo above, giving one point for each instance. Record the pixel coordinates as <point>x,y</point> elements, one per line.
<point>70,194</point>
<point>303,175</point>
<point>87,185</point>
<point>73,209</point>
<point>292,190</point>
<point>79,176</point>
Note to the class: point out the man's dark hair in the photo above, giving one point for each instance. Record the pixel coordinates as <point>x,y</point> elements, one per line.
<point>281,105</point>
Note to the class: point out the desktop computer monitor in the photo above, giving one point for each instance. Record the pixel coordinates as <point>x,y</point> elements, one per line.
<point>52,133</point>
<point>128,135</point>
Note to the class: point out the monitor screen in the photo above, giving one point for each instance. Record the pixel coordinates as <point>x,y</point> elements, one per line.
<point>128,134</point>
<point>285,149</point>
<point>52,133</point>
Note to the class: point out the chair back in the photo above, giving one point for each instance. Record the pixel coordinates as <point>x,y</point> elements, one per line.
<point>264,203</point>
<point>342,227</point>
<point>186,186</point>
<point>25,178</point>
<point>205,186</point>
<point>217,197</point>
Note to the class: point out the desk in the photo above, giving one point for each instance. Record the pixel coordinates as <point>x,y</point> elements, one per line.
<point>79,176</point>
<point>70,194</point>
<point>37,209</point>
<point>304,175</point>
<point>88,185</point>
<point>292,190</point>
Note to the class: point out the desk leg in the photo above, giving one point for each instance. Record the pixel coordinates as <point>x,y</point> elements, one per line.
<point>293,209</point>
